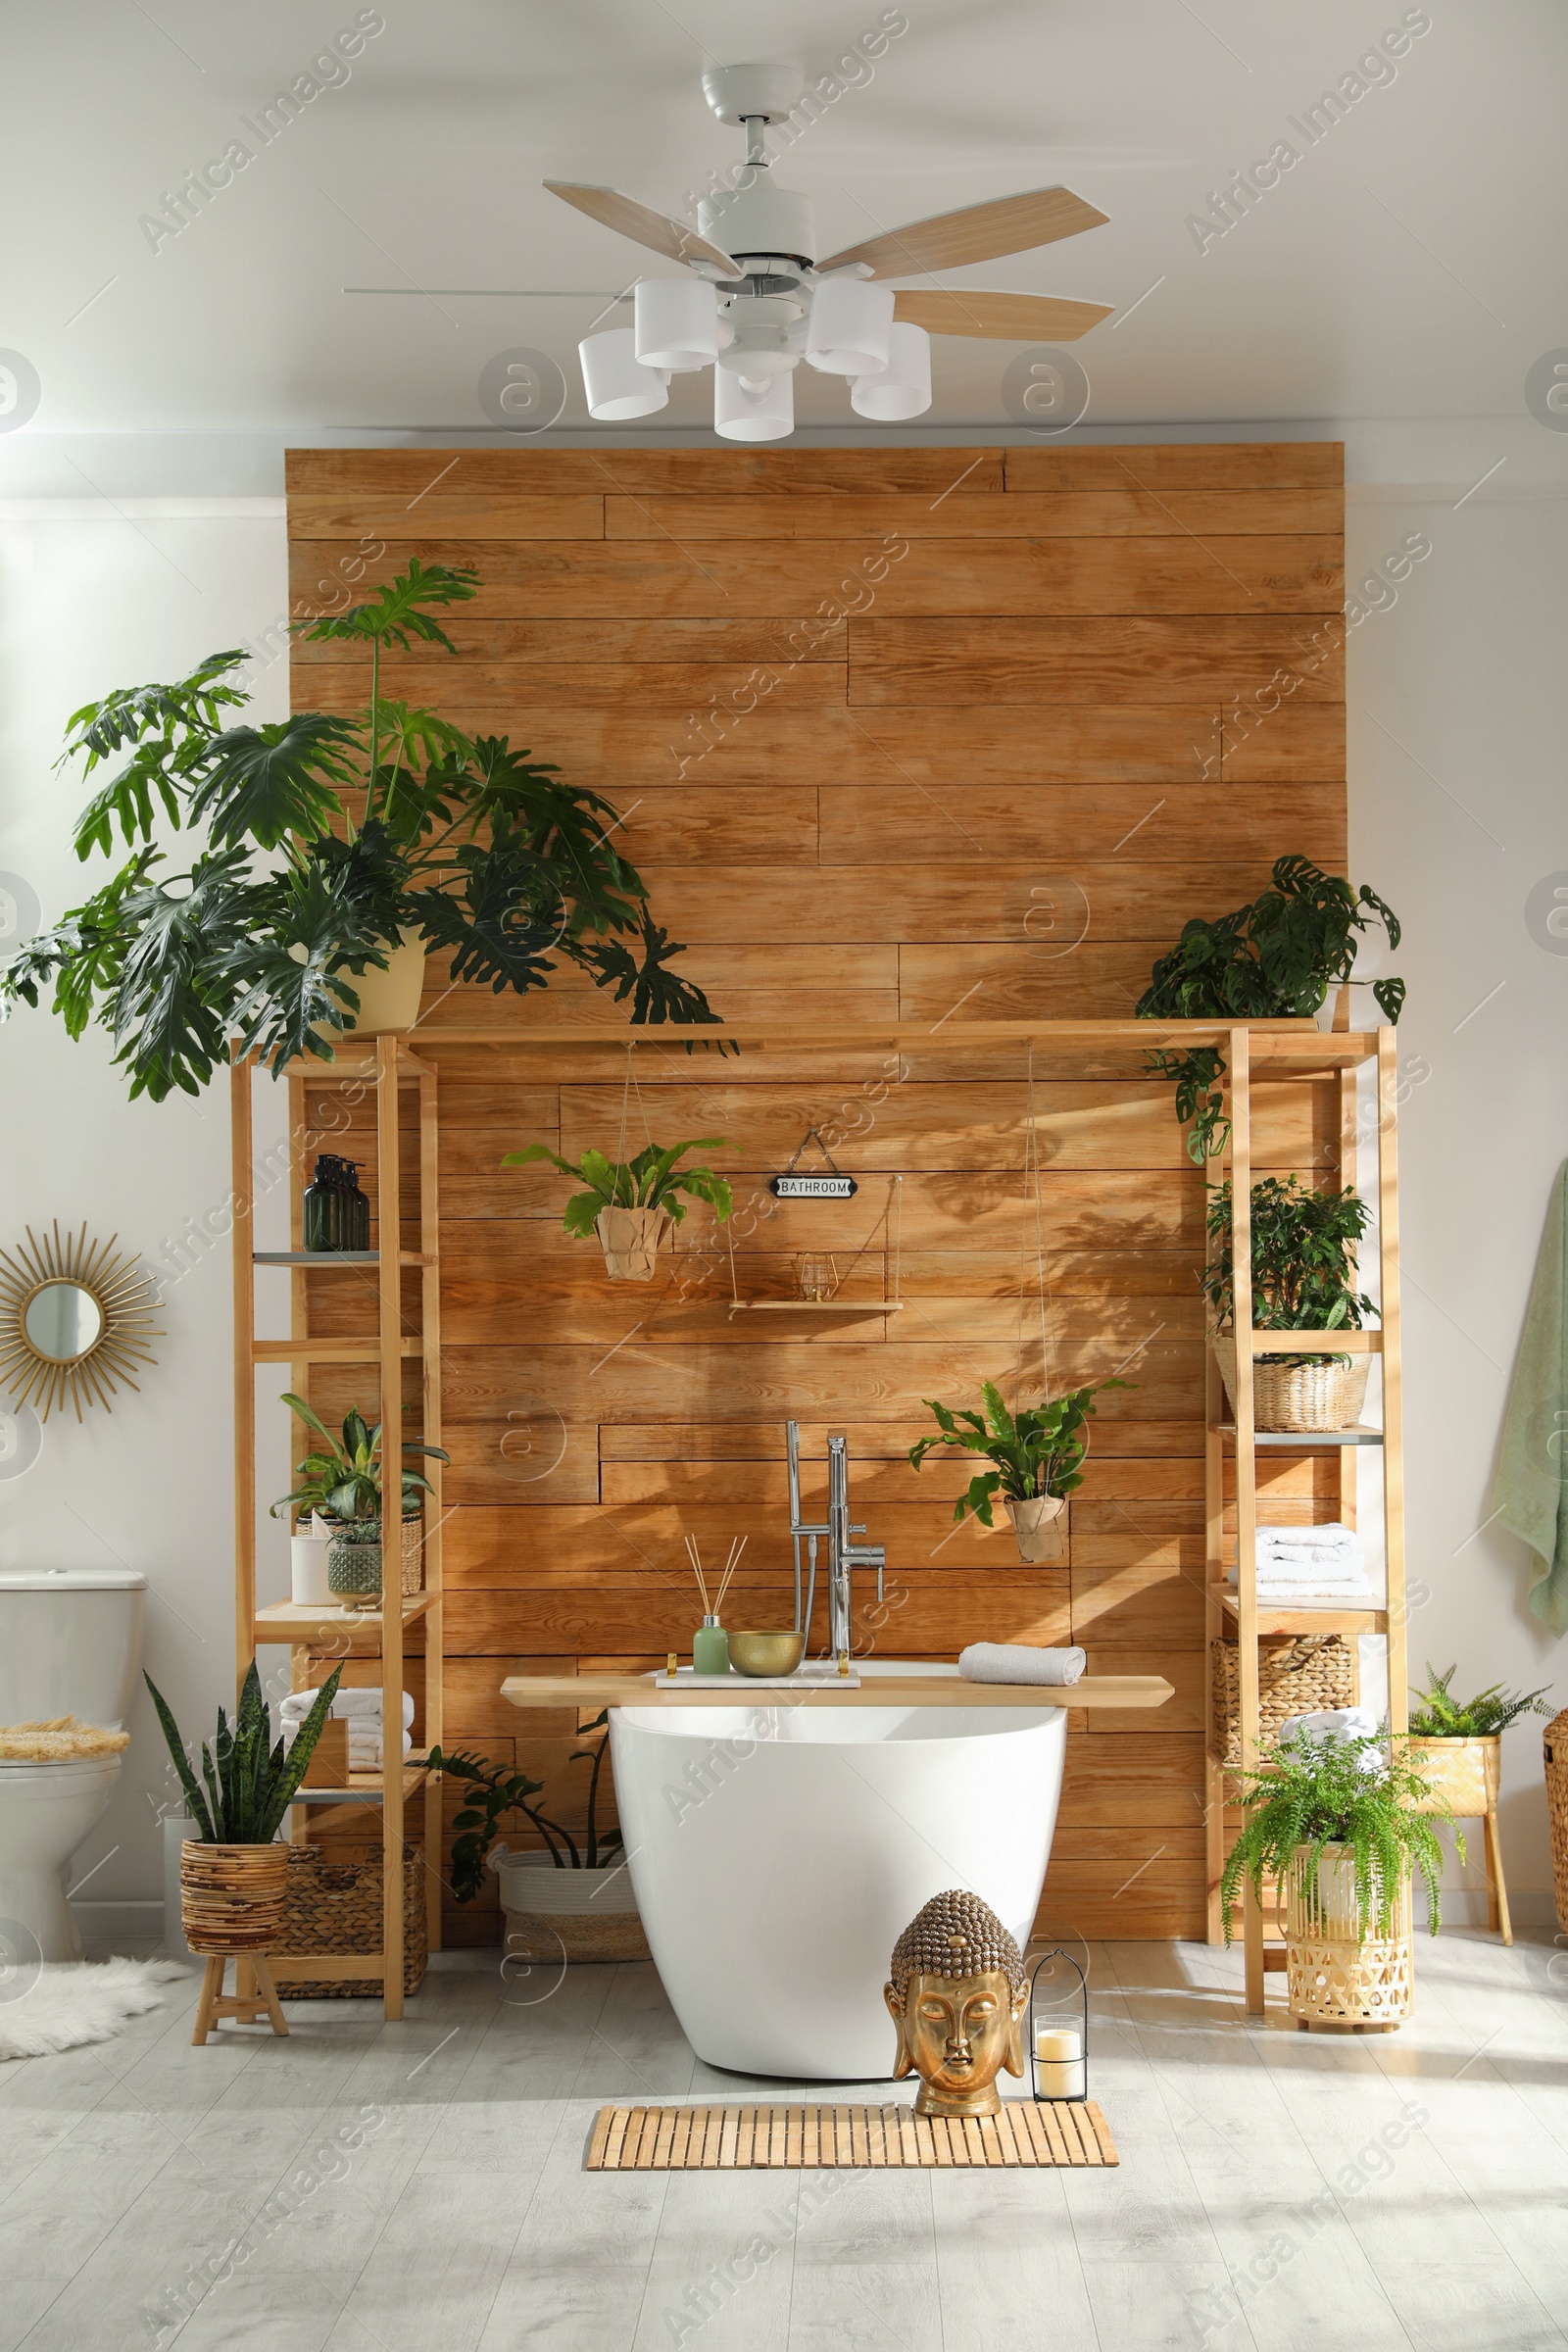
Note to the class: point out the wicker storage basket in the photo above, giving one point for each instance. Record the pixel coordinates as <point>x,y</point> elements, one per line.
<point>1466,1772</point>
<point>1554,1742</point>
<point>1326,1394</point>
<point>1297,1675</point>
<point>335,1906</point>
<point>1334,1976</point>
<point>562,1915</point>
<point>231,1896</point>
<point>353,1560</point>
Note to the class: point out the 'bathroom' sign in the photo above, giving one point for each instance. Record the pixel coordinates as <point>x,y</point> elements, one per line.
<point>812,1188</point>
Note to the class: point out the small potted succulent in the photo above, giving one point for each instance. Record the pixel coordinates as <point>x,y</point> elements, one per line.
<point>1274,959</point>
<point>342,1488</point>
<point>1458,1745</point>
<point>1342,1825</point>
<point>233,1874</point>
<point>571,1903</point>
<point>1036,1456</point>
<point>1303,1276</point>
<point>632,1206</point>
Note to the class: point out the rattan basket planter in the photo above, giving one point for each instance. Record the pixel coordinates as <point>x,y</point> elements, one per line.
<point>554,1915</point>
<point>333,1906</point>
<point>1554,1743</point>
<point>1464,1772</point>
<point>354,1559</point>
<point>231,1896</point>
<point>1334,1975</point>
<point>1297,1675</point>
<point>1327,1393</point>
<point>631,1239</point>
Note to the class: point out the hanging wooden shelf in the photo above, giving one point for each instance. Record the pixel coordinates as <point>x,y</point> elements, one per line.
<point>818,1306</point>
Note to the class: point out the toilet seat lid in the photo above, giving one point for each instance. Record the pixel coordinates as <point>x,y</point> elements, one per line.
<point>72,1580</point>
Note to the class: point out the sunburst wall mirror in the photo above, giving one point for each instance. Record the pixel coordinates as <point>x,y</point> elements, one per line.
<point>74,1318</point>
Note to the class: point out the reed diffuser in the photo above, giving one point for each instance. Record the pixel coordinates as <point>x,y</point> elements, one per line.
<point>710,1642</point>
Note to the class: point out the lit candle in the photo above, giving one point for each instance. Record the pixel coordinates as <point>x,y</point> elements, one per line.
<point>1060,2063</point>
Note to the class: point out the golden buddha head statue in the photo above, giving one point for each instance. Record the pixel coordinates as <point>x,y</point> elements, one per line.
<point>958,1996</point>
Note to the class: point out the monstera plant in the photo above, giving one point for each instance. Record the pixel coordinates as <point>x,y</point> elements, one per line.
<point>324,842</point>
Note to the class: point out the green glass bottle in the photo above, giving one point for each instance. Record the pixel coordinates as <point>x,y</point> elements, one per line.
<point>710,1648</point>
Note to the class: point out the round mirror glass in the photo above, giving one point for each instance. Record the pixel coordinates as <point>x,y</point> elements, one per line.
<point>64,1321</point>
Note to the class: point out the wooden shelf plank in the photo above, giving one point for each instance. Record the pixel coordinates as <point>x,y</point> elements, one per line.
<point>875,1690</point>
<point>1301,1441</point>
<point>326,1351</point>
<point>364,1788</point>
<point>818,1306</point>
<point>325,1260</point>
<point>1310,1621</point>
<point>1313,1342</point>
<point>290,1622</point>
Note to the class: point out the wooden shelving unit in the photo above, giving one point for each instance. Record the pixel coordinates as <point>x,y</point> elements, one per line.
<point>347,1632</point>
<point>1253,1061</point>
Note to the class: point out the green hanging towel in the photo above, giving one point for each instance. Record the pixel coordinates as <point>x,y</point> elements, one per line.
<point>1532,1494</point>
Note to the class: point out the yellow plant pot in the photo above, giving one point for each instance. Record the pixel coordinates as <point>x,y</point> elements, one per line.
<point>389,1000</point>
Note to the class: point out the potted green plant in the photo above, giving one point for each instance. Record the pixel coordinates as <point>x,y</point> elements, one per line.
<point>1304,1279</point>
<point>1036,1455</point>
<point>1275,959</point>
<point>336,852</point>
<point>1458,1745</point>
<point>1341,1827</point>
<point>577,1897</point>
<point>342,1487</point>
<point>633,1206</point>
<point>233,1874</point>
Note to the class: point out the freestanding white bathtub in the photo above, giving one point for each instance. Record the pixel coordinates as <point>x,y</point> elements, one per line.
<point>778,1852</point>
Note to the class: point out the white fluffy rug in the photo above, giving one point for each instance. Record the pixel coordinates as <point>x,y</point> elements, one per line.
<point>70,2002</point>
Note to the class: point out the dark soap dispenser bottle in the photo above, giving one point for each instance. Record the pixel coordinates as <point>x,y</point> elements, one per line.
<point>323,1205</point>
<point>356,1210</point>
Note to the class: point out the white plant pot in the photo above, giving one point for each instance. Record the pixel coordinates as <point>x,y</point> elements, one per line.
<point>308,1585</point>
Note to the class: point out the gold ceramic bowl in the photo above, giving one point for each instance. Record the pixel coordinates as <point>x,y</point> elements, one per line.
<point>766,1653</point>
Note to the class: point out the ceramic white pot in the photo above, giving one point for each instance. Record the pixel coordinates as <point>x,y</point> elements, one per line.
<point>306,1559</point>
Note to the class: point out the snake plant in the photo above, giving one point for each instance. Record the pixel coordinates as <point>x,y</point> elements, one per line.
<point>250,1783</point>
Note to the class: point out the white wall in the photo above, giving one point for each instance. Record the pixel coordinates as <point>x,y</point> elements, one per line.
<point>89,602</point>
<point>1465,673</point>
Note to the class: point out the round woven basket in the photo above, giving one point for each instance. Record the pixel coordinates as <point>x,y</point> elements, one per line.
<point>1464,1772</point>
<point>231,1896</point>
<point>1334,1975</point>
<point>1554,1742</point>
<point>554,1915</point>
<point>1327,1393</point>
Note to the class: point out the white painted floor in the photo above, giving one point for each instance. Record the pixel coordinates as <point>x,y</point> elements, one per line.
<point>418,2188</point>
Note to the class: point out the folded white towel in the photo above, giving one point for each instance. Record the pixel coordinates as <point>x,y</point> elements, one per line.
<point>346,1706</point>
<point>364,1748</point>
<point>1019,1662</point>
<point>1330,1532</point>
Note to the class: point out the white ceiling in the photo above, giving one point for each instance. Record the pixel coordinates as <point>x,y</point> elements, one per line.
<point>1410,265</point>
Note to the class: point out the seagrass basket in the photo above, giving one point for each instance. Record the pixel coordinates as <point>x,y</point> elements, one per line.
<point>336,1907</point>
<point>1334,1975</point>
<point>1297,1675</point>
<point>1464,1772</point>
<point>1554,1742</point>
<point>1326,1393</point>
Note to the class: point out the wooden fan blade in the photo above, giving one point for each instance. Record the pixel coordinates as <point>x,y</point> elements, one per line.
<point>979,233</point>
<point>1004,317</point>
<point>641,225</point>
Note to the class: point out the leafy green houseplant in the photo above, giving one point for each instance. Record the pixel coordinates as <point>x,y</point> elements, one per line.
<point>1439,1716</point>
<point>491,1794</point>
<point>1304,1279</point>
<point>1273,959</point>
<point>343,1481</point>
<point>1035,1455</point>
<point>1342,1828</point>
<point>1457,1746</point>
<point>634,1206</point>
<point>247,1781</point>
<point>325,841</point>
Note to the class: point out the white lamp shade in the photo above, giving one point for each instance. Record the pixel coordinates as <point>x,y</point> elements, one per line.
<point>849,328</point>
<point>676,323</point>
<point>753,408</point>
<point>617,383</point>
<point>904,387</point>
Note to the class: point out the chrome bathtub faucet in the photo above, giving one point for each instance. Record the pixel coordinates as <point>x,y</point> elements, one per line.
<point>843,1556</point>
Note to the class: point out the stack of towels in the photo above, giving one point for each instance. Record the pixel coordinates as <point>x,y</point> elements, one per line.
<point>1312,1567</point>
<point>360,1710</point>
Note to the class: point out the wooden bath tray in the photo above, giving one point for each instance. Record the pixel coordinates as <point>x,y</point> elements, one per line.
<point>875,1690</point>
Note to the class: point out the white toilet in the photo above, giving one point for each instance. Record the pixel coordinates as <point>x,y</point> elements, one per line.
<point>70,1645</point>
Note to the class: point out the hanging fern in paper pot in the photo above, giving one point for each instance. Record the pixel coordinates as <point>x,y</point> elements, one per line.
<point>634,1206</point>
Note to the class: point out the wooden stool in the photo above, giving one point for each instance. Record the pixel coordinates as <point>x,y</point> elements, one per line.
<point>247,2005</point>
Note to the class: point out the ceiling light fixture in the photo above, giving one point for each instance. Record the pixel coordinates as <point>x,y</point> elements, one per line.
<point>618,386</point>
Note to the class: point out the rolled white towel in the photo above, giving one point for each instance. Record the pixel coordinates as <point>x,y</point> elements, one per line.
<point>1019,1662</point>
<point>1335,1727</point>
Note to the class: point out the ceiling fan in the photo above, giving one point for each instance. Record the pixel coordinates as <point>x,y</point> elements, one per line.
<point>756,300</point>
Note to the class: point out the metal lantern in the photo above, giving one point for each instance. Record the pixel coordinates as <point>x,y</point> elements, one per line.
<point>1058,2027</point>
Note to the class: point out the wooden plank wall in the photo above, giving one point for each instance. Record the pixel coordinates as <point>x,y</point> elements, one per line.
<point>935,733</point>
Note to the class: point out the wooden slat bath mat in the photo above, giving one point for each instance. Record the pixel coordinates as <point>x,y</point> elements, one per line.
<point>721,2139</point>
